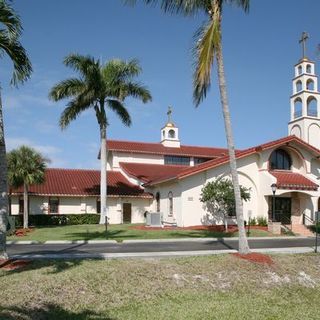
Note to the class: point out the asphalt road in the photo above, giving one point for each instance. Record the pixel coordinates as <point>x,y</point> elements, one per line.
<point>146,247</point>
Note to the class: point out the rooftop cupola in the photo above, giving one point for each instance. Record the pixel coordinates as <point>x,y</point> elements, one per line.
<point>305,113</point>
<point>170,133</point>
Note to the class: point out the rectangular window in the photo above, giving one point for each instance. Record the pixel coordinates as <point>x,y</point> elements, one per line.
<point>200,160</point>
<point>21,205</point>
<point>177,160</point>
<point>53,205</point>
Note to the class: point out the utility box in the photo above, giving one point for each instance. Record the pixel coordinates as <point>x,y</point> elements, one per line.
<point>154,219</point>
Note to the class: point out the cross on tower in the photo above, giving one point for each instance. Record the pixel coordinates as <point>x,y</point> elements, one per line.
<point>303,40</point>
<point>169,112</point>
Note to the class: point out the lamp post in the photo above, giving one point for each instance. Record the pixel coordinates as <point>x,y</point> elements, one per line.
<point>274,189</point>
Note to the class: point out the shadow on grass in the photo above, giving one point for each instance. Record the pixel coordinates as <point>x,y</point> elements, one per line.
<point>49,311</point>
<point>56,265</point>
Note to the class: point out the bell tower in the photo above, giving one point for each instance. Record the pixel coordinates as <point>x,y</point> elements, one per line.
<point>305,113</point>
<point>170,133</point>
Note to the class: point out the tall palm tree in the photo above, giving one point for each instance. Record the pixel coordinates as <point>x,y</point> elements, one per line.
<point>99,87</point>
<point>208,46</point>
<point>10,45</point>
<point>26,167</point>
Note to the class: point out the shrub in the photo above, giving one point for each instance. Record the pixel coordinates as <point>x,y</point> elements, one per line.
<point>262,222</point>
<point>58,219</point>
<point>252,221</point>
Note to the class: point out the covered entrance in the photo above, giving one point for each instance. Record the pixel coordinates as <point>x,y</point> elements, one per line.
<point>282,210</point>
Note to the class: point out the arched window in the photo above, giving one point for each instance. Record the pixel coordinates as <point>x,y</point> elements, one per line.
<point>170,198</point>
<point>308,68</point>
<point>158,201</point>
<point>297,108</point>
<point>280,160</point>
<point>312,109</point>
<point>172,134</point>
<point>310,85</point>
<point>298,86</point>
<point>299,69</point>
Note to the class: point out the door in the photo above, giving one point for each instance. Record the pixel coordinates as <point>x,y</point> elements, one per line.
<point>126,212</point>
<point>283,210</point>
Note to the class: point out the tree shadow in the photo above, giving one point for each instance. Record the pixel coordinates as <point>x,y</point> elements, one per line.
<point>49,311</point>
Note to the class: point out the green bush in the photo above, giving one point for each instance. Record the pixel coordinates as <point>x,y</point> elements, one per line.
<point>252,221</point>
<point>262,222</point>
<point>58,219</point>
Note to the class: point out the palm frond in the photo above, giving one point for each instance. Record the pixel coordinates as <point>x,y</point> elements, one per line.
<point>67,88</point>
<point>87,66</point>
<point>10,20</point>
<point>22,68</point>
<point>206,40</point>
<point>135,90</point>
<point>120,110</point>
<point>75,107</point>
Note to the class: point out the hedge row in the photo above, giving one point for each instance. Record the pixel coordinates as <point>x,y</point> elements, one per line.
<point>58,219</point>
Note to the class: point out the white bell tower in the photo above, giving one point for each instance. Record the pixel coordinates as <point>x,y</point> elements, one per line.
<point>305,113</point>
<point>170,133</point>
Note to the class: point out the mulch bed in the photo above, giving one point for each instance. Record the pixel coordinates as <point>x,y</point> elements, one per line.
<point>220,228</point>
<point>255,257</point>
<point>12,264</point>
<point>23,232</point>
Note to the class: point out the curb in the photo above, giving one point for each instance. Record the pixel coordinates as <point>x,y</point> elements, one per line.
<point>145,255</point>
<point>150,240</point>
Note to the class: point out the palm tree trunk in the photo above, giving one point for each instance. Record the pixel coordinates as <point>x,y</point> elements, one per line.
<point>103,180</point>
<point>3,189</point>
<point>25,207</point>
<point>243,242</point>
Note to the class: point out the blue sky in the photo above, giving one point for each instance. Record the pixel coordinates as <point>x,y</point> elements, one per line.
<point>260,50</point>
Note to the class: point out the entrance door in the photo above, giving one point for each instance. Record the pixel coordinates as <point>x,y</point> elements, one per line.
<point>283,210</point>
<point>126,211</point>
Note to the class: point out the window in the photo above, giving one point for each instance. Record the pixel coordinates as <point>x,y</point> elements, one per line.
<point>170,198</point>
<point>310,85</point>
<point>158,201</point>
<point>299,70</point>
<point>53,205</point>
<point>280,160</point>
<point>98,206</point>
<point>21,205</point>
<point>297,108</point>
<point>172,134</point>
<point>308,68</point>
<point>200,160</point>
<point>298,86</point>
<point>312,107</point>
<point>176,160</point>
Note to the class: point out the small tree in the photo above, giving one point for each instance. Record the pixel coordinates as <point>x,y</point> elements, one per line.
<point>26,167</point>
<point>218,196</point>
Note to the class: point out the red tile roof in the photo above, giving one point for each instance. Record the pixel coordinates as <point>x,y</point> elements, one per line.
<point>73,182</point>
<point>292,180</point>
<point>158,148</point>
<point>241,154</point>
<point>151,172</point>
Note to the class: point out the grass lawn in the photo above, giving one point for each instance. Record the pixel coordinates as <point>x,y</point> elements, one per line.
<point>215,287</point>
<point>119,233</point>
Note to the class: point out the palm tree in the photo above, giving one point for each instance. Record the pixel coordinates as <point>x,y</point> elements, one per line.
<point>26,167</point>
<point>100,86</point>
<point>208,47</point>
<point>10,45</point>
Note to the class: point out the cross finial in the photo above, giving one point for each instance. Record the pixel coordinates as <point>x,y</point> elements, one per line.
<point>303,40</point>
<point>169,112</point>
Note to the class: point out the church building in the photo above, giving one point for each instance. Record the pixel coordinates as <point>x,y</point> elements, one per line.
<point>167,177</point>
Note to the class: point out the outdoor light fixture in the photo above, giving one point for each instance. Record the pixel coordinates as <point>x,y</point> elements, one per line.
<point>274,189</point>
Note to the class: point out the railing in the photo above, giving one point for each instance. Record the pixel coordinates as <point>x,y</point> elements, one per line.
<point>312,113</point>
<point>305,219</point>
<point>297,114</point>
<point>286,221</point>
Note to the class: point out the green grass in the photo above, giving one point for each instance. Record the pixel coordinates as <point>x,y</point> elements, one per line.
<point>119,233</point>
<point>215,287</point>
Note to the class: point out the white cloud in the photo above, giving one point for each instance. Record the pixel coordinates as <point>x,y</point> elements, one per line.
<point>51,152</point>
